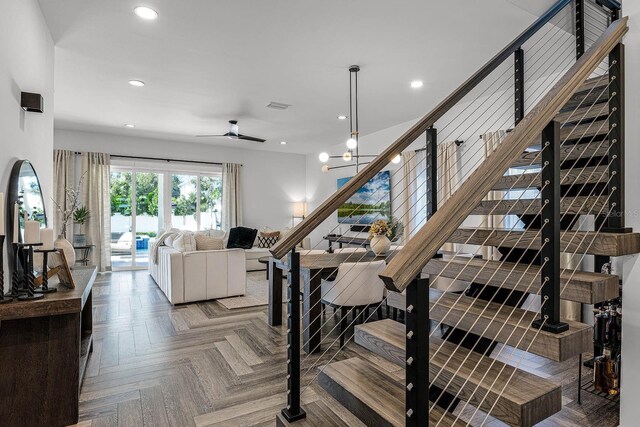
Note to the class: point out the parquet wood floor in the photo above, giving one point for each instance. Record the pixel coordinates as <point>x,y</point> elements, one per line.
<point>203,365</point>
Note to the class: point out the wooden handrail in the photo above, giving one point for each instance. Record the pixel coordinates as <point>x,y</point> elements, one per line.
<point>415,255</point>
<point>322,212</point>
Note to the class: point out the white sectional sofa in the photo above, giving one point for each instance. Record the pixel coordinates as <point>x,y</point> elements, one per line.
<point>199,275</point>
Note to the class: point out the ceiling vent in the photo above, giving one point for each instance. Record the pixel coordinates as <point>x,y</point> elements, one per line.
<point>278,105</point>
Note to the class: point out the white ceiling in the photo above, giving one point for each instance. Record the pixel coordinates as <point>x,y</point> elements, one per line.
<point>205,62</point>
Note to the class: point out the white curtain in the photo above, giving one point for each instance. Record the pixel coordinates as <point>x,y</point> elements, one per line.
<point>414,192</point>
<point>491,141</point>
<point>231,196</point>
<point>64,168</point>
<point>447,177</point>
<point>96,197</point>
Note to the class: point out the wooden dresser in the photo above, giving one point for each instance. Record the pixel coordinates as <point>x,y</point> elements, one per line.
<point>44,347</point>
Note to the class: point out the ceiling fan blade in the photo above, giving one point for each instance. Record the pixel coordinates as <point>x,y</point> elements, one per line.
<point>251,138</point>
<point>226,135</point>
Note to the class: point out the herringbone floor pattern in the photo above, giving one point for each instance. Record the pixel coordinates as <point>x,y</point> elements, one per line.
<point>203,365</point>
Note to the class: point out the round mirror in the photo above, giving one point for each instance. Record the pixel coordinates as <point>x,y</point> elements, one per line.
<point>24,188</point>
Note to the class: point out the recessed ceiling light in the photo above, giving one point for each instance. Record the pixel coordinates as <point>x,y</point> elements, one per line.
<point>283,142</point>
<point>128,125</point>
<point>146,13</point>
<point>342,117</point>
<point>136,83</point>
<point>417,84</point>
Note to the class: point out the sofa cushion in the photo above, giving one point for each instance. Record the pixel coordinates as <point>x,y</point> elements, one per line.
<point>256,252</point>
<point>204,243</point>
<point>241,237</point>
<point>185,242</point>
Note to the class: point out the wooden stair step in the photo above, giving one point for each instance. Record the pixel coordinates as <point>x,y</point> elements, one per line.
<point>567,153</point>
<point>593,83</point>
<point>574,176</point>
<point>582,205</point>
<point>498,322</point>
<point>584,113</point>
<point>580,242</point>
<point>579,286</point>
<point>523,399</point>
<point>584,130</point>
<point>371,394</point>
<point>586,96</point>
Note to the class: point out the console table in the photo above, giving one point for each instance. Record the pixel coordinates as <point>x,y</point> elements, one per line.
<point>346,240</point>
<point>44,348</point>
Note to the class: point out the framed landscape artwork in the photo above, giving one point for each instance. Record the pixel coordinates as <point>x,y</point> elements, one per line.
<point>370,203</point>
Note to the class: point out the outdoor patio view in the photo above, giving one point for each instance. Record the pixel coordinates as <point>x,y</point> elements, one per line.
<point>162,200</point>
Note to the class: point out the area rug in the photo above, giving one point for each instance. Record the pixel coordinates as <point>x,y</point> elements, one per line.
<point>246,301</point>
<point>257,293</point>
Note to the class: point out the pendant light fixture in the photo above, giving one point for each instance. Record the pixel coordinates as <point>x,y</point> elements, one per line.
<point>352,154</point>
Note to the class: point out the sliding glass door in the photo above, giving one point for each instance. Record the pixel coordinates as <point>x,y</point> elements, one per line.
<point>144,202</point>
<point>135,221</point>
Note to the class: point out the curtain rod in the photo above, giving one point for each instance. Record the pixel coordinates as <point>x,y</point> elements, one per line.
<point>163,160</point>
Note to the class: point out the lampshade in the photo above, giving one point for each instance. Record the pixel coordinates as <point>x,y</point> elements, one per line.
<point>299,209</point>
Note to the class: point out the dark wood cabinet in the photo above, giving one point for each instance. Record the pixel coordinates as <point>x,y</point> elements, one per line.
<point>44,348</point>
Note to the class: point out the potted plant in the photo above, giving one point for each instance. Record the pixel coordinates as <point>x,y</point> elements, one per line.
<point>380,232</point>
<point>80,217</point>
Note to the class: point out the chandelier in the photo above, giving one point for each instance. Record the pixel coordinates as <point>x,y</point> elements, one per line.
<point>352,155</point>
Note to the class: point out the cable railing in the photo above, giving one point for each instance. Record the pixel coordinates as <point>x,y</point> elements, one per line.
<point>545,80</point>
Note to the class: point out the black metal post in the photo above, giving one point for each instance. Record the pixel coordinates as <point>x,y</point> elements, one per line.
<point>550,252</point>
<point>616,220</point>
<point>432,171</point>
<point>293,411</point>
<point>518,71</point>
<point>417,344</point>
<point>29,276</point>
<point>579,19</point>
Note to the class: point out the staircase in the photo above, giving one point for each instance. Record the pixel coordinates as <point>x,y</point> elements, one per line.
<point>455,365</point>
<point>378,399</point>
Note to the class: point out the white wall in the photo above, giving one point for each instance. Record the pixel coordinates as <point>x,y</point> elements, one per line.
<point>272,182</point>
<point>629,409</point>
<point>26,65</point>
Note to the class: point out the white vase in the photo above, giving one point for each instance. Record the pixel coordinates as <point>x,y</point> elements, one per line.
<point>67,248</point>
<point>380,245</point>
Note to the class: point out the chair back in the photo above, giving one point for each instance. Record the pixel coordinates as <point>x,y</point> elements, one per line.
<point>357,283</point>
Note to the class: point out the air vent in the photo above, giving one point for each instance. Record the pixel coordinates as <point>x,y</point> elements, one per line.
<point>278,105</point>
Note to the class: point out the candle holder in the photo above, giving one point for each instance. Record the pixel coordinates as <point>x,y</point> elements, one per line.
<point>45,289</point>
<point>29,277</point>
<point>3,298</point>
<point>16,282</point>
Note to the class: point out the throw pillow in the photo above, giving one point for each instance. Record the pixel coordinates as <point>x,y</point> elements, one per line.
<point>267,242</point>
<point>185,242</point>
<point>204,243</point>
<point>168,241</point>
<point>267,238</point>
<point>241,237</point>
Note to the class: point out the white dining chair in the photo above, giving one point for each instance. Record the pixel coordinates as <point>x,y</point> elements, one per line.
<point>356,287</point>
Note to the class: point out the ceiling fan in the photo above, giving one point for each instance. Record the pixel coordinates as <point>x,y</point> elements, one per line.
<point>234,134</point>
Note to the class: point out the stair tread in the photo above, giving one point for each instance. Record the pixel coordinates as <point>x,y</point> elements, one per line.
<point>594,82</point>
<point>374,389</point>
<point>574,176</point>
<point>590,242</point>
<point>579,286</point>
<point>584,130</point>
<point>582,205</point>
<point>497,322</point>
<point>527,400</point>
<point>584,113</point>
<point>567,153</point>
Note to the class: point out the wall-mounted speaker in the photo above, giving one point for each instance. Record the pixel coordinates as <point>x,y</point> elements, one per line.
<point>32,102</point>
